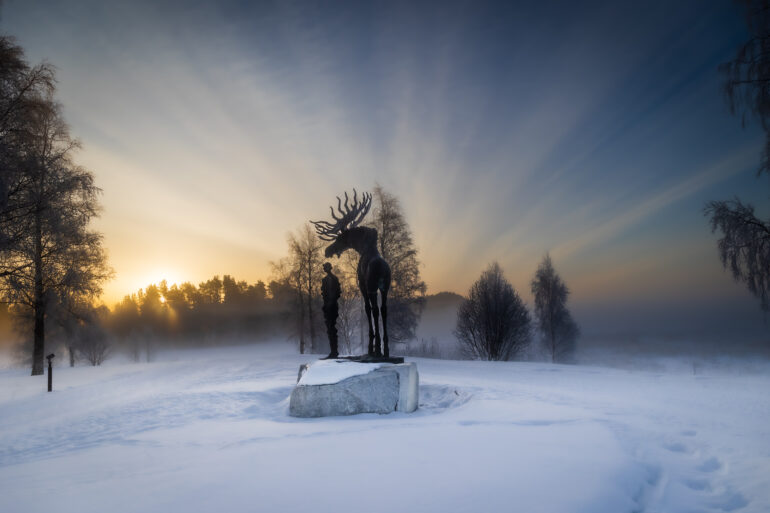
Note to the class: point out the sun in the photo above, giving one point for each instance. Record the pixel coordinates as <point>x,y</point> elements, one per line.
<point>156,276</point>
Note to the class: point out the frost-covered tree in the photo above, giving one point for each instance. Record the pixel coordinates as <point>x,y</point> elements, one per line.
<point>83,330</point>
<point>302,272</point>
<point>557,328</point>
<point>52,251</point>
<point>744,247</point>
<point>24,95</point>
<point>93,341</point>
<point>493,322</point>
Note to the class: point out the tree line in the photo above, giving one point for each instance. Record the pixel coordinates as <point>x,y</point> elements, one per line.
<point>162,315</point>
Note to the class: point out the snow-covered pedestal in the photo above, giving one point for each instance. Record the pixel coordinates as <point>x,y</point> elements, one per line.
<point>340,387</point>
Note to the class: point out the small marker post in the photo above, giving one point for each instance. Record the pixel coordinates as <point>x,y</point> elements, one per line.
<point>50,372</point>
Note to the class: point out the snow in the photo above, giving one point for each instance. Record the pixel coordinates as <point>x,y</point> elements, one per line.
<point>208,430</point>
<point>328,372</point>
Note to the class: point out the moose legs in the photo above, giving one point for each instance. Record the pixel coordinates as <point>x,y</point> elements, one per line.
<point>384,311</point>
<point>376,319</point>
<point>368,309</point>
<point>377,346</point>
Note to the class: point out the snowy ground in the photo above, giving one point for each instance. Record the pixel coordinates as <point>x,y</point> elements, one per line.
<point>208,431</point>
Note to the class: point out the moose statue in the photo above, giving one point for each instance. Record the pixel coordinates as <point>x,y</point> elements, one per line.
<point>373,271</point>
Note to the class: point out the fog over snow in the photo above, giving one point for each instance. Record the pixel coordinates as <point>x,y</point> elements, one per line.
<point>208,430</point>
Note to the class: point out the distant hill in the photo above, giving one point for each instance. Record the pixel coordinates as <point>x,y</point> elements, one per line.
<point>443,300</point>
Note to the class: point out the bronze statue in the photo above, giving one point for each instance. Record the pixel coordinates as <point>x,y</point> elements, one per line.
<point>373,271</point>
<point>330,292</point>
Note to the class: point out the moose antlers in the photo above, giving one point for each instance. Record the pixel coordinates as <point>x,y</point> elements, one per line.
<point>349,218</point>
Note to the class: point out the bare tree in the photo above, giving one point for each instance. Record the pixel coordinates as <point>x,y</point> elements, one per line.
<point>557,328</point>
<point>302,271</point>
<point>747,76</point>
<point>54,252</point>
<point>306,255</point>
<point>288,275</point>
<point>24,94</point>
<point>744,247</point>
<point>83,329</point>
<point>407,294</point>
<point>69,317</point>
<point>93,342</point>
<point>351,318</point>
<point>493,322</point>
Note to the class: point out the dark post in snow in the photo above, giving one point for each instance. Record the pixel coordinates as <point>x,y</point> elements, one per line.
<point>50,372</point>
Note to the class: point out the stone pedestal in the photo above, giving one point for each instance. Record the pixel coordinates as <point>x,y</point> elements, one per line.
<point>340,387</point>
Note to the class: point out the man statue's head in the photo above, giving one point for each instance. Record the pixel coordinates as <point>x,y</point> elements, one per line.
<point>328,267</point>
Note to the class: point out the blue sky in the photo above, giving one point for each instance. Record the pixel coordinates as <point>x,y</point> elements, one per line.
<point>595,132</point>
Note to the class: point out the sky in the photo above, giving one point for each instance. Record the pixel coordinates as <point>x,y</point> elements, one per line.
<point>594,131</point>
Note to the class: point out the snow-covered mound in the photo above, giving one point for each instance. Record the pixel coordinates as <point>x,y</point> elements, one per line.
<point>208,431</point>
<point>329,372</point>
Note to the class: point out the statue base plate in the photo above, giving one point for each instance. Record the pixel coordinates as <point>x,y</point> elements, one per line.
<point>369,358</point>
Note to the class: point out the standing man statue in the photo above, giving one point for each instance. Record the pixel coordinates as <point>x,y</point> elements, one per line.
<point>331,291</point>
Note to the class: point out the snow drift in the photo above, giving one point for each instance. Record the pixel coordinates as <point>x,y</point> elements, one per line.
<point>208,430</point>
